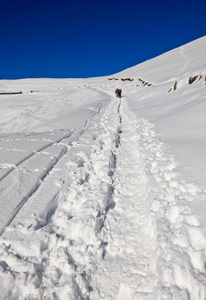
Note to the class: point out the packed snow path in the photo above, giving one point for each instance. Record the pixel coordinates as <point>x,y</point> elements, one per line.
<point>117,224</point>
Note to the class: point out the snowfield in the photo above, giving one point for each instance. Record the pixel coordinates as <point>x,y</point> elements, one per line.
<point>105,198</point>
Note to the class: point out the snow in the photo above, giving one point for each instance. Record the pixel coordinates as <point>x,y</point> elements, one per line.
<point>100,197</point>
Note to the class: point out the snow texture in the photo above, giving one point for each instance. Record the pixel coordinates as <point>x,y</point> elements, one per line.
<point>101,197</point>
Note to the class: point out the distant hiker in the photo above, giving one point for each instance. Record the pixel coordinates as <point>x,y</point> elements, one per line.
<point>118,93</point>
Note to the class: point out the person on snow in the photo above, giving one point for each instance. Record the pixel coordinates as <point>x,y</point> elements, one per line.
<point>118,93</point>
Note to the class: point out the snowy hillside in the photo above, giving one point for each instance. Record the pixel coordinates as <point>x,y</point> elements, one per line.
<point>105,198</point>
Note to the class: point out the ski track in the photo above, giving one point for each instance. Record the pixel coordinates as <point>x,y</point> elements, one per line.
<point>186,58</point>
<point>11,190</point>
<point>120,227</point>
<point>28,156</point>
<point>26,169</point>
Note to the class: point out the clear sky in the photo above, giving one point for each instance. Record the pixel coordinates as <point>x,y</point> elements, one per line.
<point>71,38</point>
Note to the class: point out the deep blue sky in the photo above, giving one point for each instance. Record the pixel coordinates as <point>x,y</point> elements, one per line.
<point>67,38</point>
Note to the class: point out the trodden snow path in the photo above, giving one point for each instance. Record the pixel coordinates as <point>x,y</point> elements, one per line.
<point>120,226</point>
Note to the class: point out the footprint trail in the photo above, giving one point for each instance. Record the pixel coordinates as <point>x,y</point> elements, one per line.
<point>120,226</point>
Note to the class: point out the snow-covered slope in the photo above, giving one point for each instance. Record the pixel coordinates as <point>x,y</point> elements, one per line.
<point>175,104</point>
<point>102,198</point>
<point>183,62</point>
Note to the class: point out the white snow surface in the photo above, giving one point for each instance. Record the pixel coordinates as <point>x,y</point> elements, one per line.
<point>101,197</point>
